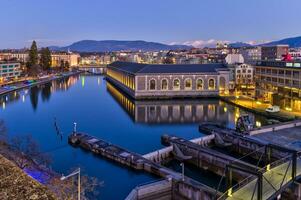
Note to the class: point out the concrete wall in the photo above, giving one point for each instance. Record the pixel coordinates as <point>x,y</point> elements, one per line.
<point>160,190</point>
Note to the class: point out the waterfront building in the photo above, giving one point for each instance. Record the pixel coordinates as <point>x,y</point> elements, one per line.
<point>244,79</point>
<point>279,83</point>
<point>273,52</point>
<point>9,71</point>
<point>176,111</point>
<point>143,81</point>
<point>72,58</point>
<point>15,56</point>
<point>22,57</point>
<point>241,80</point>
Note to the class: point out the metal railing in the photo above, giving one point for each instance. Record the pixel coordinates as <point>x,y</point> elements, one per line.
<point>251,178</point>
<point>237,187</point>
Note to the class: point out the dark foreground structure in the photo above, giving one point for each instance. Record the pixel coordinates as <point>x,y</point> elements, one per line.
<point>148,81</point>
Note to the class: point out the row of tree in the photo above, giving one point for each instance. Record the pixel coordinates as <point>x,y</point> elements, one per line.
<point>45,59</point>
<point>43,62</point>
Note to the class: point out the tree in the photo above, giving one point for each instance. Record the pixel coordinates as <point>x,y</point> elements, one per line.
<point>62,65</point>
<point>67,65</point>
<point>45,60</point>
<point>33,55</point>
<point>167,60</point>
<point>67,189</point>
<point>27,152</point>
<point>34,70</point>
<point>3,131</point>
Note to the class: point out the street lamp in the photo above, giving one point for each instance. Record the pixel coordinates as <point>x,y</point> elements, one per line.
<point>183,170</point>
<point>76,172</point>
<point>74,127</point>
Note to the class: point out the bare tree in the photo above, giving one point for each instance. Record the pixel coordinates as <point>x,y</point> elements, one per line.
<point>3,133</point>
<point>67,189</point>
<point>27,152</point>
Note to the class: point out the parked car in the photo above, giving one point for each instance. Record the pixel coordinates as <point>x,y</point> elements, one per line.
<point>273,109</point>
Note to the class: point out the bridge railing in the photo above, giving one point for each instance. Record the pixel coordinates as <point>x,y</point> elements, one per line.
<point>276,163</point>
<point>250,178</point>
<point>237,186</point>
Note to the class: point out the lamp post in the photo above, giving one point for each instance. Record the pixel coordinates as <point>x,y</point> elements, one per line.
<point>74,127</point>
<point>76,172</point>
<point>183,170</point>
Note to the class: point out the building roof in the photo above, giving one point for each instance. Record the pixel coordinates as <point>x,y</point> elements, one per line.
<point>280,64</point>
<point>138,68</point>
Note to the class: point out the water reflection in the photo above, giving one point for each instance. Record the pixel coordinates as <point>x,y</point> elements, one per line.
<point>179,111</point>
<point>44,90</point>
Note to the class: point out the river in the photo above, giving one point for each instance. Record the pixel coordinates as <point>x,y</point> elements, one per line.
<point>101,110</point>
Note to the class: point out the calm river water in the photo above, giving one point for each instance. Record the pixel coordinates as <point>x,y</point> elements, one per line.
<point>101,110</point>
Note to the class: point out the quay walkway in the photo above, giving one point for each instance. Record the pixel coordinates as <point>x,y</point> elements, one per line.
<point>14,87</point>
<point>259,108</point>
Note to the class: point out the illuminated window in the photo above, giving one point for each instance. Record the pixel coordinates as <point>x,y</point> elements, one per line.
<point>211,84</point>
<point>176,84</point>
<point>199,84</point>
<point>152,85</point>
<point>188,84</point>
<point>164,84</point>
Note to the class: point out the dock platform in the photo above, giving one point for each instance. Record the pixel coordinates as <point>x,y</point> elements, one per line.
<point>184,186</point>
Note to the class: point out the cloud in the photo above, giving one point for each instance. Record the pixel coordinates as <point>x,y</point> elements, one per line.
<point>256,42</point>
<point>202,43</point>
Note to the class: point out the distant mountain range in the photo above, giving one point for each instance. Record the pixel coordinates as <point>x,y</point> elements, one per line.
<point>114,45</point>
<point>293,42</point>
<point>139,45</point>
<point>239,45</point>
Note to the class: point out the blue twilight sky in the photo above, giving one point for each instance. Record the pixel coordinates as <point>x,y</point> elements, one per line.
<point>199,22</point>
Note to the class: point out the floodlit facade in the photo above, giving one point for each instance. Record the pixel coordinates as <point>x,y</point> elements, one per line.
<point>72,58</point>
<point>279,83</point>
<point>144,81</point>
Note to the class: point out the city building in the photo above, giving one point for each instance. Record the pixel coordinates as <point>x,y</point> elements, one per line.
<point>143,81</point>
<point>295,53</point>
<point>9,71</point>
<point>71,58</point>
<point>279,83</point>
<point>244,79</point>
<point>273,52</point>
<point>234,59</point>
<point>251,55</point>
<point>176,111</point>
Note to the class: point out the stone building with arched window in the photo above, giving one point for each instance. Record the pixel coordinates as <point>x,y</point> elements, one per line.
<point>147,81</point>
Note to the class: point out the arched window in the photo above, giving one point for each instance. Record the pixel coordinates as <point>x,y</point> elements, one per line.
<point>164,84</point>
<point>199,84</point>
<point>176,84</point>
<point>222,83</point>
<point>211,84</point>
<point>152,85</point>
<point>188,84</point>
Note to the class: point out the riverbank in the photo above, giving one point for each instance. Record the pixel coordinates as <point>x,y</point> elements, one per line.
<point>22,85</point>
<point>16,184</point>
<point>259,108</point>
